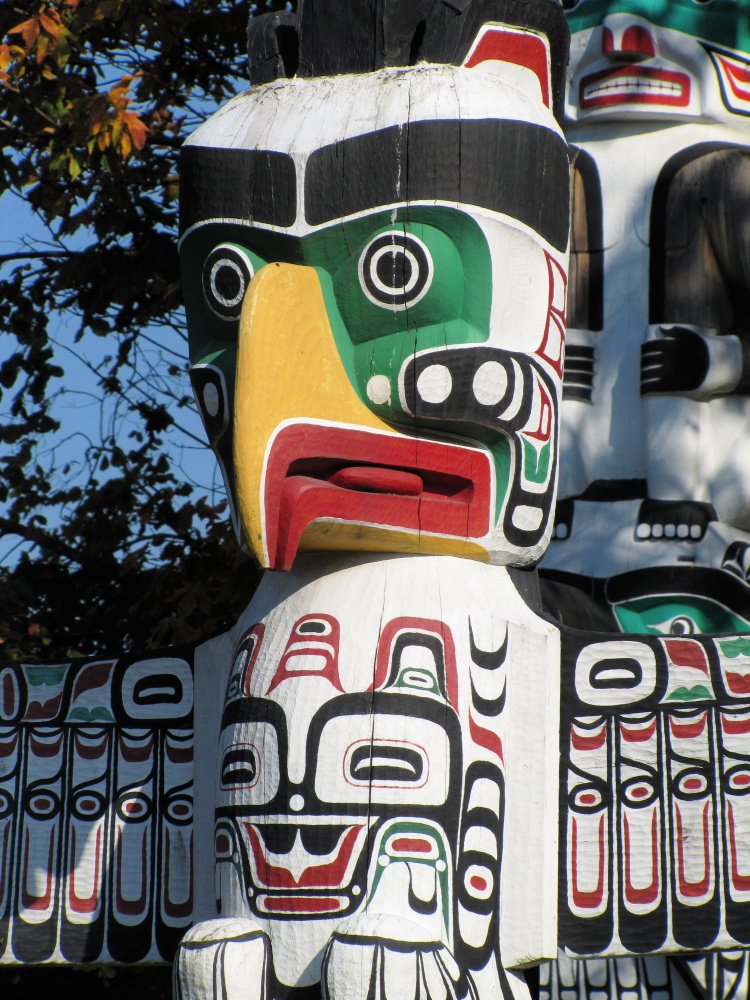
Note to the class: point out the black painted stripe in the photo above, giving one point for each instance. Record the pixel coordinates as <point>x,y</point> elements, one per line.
<point>581,365</point>
<point>249,184</point>
<point>512,167</point>
<point>581,394</point>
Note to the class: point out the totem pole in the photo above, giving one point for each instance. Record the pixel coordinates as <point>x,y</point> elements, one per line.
<point>652,522</point>
<point>410,782</point>
<point>375,261</point>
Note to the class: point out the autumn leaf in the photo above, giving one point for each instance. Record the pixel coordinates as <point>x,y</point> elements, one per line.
<point>29,32</point>
<point>51,23</point>
<point>137,129</point>
<point>9,54</point>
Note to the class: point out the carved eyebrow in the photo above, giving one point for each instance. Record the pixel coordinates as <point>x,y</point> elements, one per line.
<point>512,167</point>
<point>248,184</point>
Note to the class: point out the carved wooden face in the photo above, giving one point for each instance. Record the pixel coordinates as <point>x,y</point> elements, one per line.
<point>375,292</point>
<point>362,768</point>
<point>645,59</point>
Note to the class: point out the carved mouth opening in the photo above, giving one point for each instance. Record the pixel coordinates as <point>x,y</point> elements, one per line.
<point>634,84</point>
<point>339,474</point>
<point>304,869</point>
<point>368,478</point>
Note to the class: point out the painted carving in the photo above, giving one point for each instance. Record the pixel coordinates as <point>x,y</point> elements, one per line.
<point>654,794</point>
<point>655,396</point>
<point>419,411</point>
<point>375,267</point>
<point>651,525</point>
<point>410,782</point>
<point>364,772</point>
<point>96,809</point>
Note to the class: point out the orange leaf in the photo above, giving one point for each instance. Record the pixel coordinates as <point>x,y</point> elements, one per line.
<point>28,30</point>
<point>51,24</point>
<point>117,96</point>
<point>137,128</point>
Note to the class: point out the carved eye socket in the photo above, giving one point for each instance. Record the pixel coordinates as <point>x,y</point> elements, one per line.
<point>682,625</point>
<point>395,270</point>
<point>240,767</point>
<point>226,274</point>
<point>638,792</point>
<point>378,763</point>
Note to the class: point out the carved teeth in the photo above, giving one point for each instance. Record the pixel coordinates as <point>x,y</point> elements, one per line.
<point>631,85</point>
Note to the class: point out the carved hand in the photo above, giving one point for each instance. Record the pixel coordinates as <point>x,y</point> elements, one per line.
<point>688,363</point>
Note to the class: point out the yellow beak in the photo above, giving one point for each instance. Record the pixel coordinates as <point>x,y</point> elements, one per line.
<point>288,368</point>
<point>292,386</point>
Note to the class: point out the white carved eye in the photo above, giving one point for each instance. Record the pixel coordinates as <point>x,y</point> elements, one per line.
<point>226,274</point>
<point>395,270</point>
<point>679,625</point>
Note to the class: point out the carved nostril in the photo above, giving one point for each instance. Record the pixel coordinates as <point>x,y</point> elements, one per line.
<point>637,43</point>
<point>639,40</point>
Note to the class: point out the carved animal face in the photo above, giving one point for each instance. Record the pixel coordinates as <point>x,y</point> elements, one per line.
<point>375,297</point>
<point>362,771</point>
<point>319,772</point>
<point>686,59</point>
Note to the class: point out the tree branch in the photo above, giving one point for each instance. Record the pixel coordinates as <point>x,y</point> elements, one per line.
<point>39,537</point>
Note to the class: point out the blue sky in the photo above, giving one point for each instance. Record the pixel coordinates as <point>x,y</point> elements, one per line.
<point>77,397</point>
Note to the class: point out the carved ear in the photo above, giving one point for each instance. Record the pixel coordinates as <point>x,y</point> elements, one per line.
<point>272,46</point>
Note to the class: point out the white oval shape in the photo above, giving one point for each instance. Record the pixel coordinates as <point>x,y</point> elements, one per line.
<point>527,518</point>
<point>379,390</point>
<point>211,399</point>
<point>434,384</point>
<point>490,383</point>
<point>161,688</point>
<point>630,693</point>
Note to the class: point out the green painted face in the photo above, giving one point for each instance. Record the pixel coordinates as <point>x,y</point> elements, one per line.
<point>448,260</point>
<point>376,315</point>
<point>724,22</point>
<point>678,614</point>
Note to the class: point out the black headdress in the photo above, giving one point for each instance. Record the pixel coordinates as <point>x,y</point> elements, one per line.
<point>329,37</point>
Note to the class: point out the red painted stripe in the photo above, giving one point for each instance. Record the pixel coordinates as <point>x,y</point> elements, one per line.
<point>486,738</point>
<point>303,904</point>
<point>412,845</point>
<point>586,900</point>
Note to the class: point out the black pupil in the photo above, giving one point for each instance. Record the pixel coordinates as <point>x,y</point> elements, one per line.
<point>312,628</point>
<point>228,282</point>
<point>394,268</point>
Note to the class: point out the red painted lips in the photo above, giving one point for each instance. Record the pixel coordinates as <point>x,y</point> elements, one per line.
<point>316,472</point>
<point>634,84</point>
